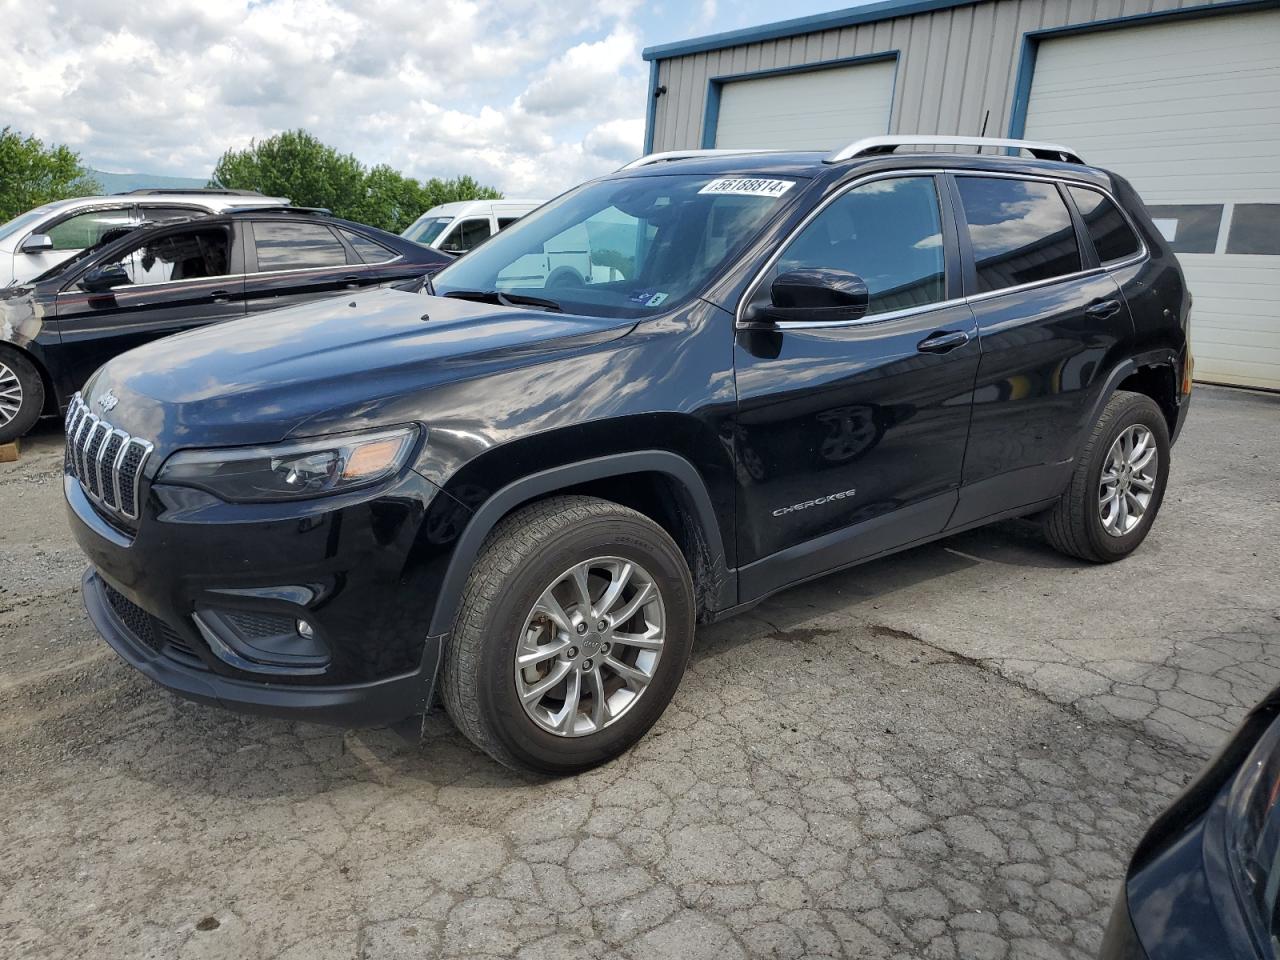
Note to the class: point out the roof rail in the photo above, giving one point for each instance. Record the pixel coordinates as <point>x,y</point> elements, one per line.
<point>870,146</point>
<point>161,191</point>
<point>668,155</point>
<point>274,208</point>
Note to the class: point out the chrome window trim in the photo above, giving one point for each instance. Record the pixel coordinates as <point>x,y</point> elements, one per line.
<point>278,273</point>
<point>73,288</point>
<point>741,324</point>
<point>754,285</point>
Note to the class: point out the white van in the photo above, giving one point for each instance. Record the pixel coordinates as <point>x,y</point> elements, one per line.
<point>457,227</point>
<point>40,239</point>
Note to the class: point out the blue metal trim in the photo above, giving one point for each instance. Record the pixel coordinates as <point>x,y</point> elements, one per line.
<point>851,16</point>
<point>715,85</point>
<point>1031,44</point>
<point>651,109</point>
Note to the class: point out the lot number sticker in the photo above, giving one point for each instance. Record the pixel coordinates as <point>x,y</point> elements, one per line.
<point>748,187</point>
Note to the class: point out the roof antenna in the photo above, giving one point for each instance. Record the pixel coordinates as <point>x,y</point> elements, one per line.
<point>983,132</point>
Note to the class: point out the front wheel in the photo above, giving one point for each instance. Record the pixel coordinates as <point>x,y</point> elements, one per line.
<point>21,395</point>
<point>1118,483</point>
<point>575,628</point>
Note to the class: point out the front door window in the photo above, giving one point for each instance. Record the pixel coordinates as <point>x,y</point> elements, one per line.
<point>888,232</point>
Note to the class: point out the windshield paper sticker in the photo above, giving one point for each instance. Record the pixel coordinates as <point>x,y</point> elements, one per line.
<point>655,300</point>
<point>753,187</point>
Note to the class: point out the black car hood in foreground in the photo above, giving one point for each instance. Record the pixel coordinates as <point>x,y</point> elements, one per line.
<point>258,379</point>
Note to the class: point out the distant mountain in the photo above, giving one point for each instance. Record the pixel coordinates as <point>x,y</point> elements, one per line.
<point>124,182</point>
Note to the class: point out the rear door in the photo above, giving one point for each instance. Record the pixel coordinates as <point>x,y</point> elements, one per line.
<point>178,279</point>
<point>297,260</point>
<point>1052,322</point>
<point>851,435</point>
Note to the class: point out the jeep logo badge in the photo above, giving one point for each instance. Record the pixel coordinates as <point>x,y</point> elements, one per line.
<point>108,401</point>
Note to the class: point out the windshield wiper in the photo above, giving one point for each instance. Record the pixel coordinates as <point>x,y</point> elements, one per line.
<point>506,299</point>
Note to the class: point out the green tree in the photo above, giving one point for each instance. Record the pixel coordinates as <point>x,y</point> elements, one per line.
<point>32,174</point>
<point>296,165</point>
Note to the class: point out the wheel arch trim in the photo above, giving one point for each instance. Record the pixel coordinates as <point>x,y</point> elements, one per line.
<point>1117,375</point>
<point>544,482</point>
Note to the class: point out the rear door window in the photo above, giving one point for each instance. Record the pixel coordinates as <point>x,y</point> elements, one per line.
<point>284,245</point>
<point>1020,231</point>
<point>1112,237</point>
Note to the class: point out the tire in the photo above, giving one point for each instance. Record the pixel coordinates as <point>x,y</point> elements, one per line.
<point>1078,524</point>
<point>528,556</point>
<point>20,381</point>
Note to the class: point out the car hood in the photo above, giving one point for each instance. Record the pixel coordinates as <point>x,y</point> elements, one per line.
<point>336,364</point>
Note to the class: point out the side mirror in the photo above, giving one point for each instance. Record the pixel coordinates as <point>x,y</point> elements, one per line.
<point>103,278</point>
<point>37,243</point>
<point>815,296</point>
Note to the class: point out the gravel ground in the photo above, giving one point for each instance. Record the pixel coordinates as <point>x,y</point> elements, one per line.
<point>948,753</point>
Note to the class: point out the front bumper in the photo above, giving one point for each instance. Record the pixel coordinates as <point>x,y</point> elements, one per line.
<point>185,597</point>
<point>354,705</point>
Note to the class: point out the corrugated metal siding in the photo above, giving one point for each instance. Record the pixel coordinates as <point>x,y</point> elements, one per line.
<point>954,64</point>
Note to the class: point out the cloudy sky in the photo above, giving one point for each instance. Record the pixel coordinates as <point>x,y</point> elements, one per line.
<point>529,95</point>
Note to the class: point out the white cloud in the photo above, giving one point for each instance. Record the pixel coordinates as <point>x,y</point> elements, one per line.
<point>530,95</point>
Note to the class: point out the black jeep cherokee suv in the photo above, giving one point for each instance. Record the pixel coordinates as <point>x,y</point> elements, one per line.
<point>658,399</point>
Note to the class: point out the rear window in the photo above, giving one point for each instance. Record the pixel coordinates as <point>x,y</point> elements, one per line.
<point>1020,230</point>
<point>1110,232</point>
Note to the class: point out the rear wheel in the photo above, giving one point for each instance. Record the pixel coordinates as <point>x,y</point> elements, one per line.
<point>575,628</point>
<point>21,395</point>
<point>1118,484</point>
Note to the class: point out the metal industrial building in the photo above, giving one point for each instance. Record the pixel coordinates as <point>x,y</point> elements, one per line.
<point>1180,96</point>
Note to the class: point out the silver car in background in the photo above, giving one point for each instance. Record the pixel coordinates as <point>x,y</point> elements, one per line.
<point>38,240</point>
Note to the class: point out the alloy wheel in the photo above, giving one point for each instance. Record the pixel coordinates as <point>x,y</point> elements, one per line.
<point>10,395</point>
<point>1128,480</point>
<point>590,646</point>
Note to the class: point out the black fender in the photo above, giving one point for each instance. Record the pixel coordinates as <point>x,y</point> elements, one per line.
<point>1119,373</point>
<point>526,489</point>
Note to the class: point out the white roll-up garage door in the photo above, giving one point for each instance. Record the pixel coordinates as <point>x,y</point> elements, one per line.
<point>817,109</point>
<point>1189,112</point>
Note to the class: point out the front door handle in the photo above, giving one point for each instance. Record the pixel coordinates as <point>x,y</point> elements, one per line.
<point>350,282</point>
<point>221,296</point>
<point>1103,309</point>
<point>943,342</point>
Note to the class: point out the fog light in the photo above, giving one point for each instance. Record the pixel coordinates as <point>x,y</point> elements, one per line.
<point>305,631</point>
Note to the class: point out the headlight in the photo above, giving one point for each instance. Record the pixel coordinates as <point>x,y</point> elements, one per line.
<point>292,471</point>
<point>1253,832</point>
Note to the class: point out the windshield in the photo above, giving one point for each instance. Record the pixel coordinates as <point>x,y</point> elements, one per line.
<point>620,248</point>
<point>22,222</point>
<point>426,229</point>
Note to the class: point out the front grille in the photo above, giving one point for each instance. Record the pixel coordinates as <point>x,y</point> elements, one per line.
<point>152,631</point>
<point>107,461</point>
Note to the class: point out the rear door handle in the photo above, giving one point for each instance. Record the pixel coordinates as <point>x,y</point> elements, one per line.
<point>1103,308</point>
<point>221,296</point>
<point>943,342</point>
<point>350,282</point>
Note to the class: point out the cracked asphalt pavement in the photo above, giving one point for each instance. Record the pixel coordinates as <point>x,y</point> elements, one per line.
<point>949,753</point>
